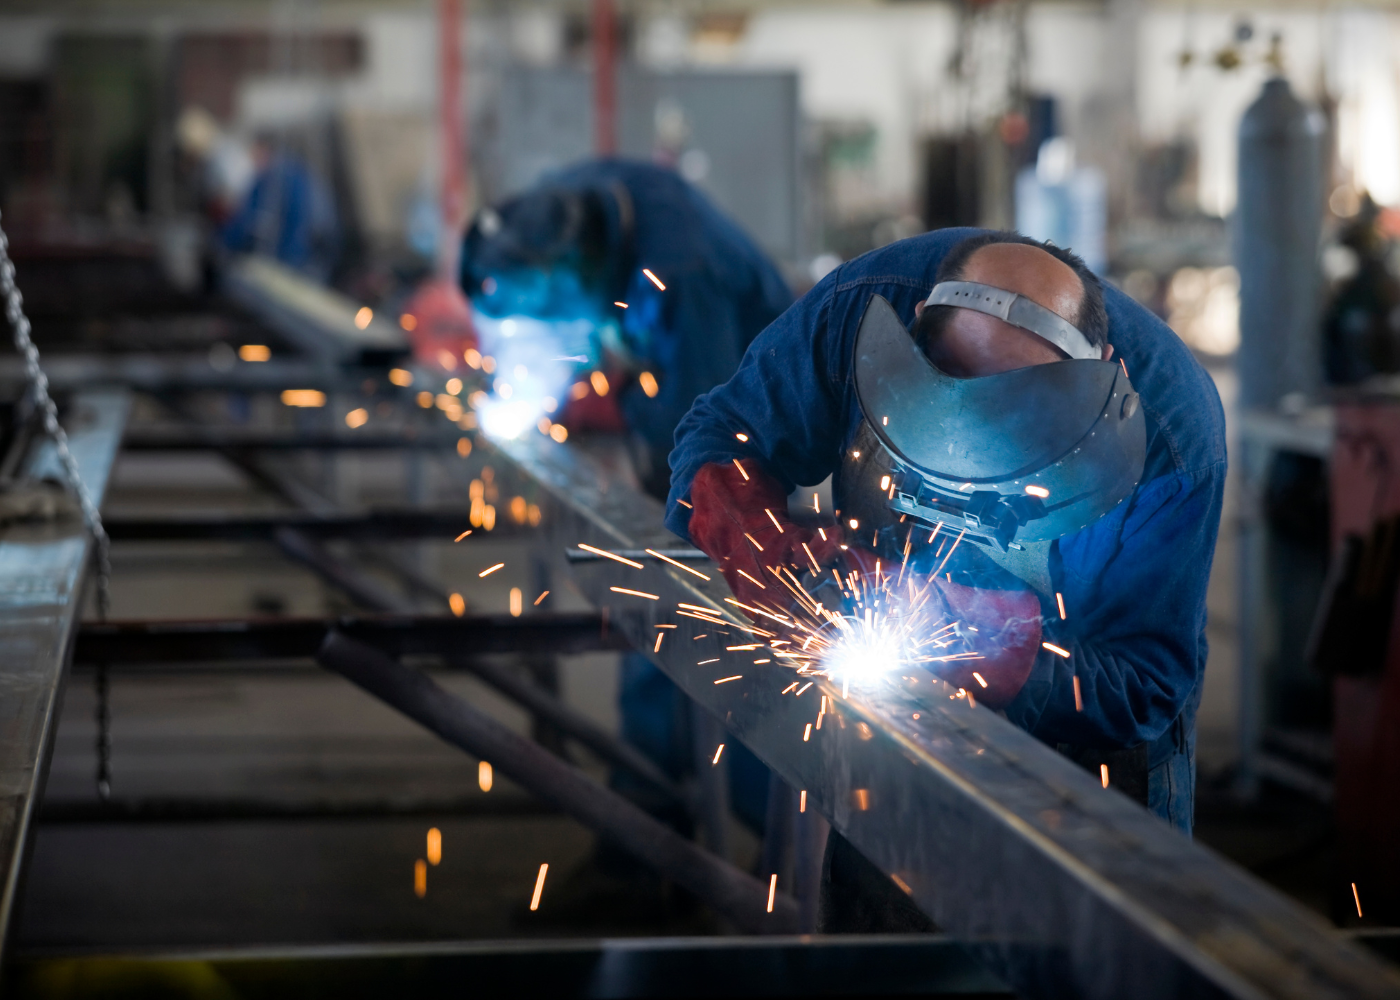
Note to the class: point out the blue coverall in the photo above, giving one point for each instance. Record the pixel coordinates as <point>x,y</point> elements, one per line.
<point>1134,582</point>
<point>289,215</point>
<point>721,290</point>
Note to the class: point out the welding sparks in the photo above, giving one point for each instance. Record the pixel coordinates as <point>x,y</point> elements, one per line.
<point>610,555</point>
<point>740,467</point>
<point>802,801</point>
<point>543,595</point>
<point>677,564</point>
<point>1356,896</point>
<point>484,776</point>
<point>1056,649</point>
<point>1078,698</point>
<point>978,678</point>
<point>458,604</point>
<point>653,278</point>
<point>742,437</point>
<point>491,569</point>
<point>726,680</point>
<point>659,637</point>
<point>420,878</point>
<point>539,887</point>
<point>774,519</point>
<point>1038,491</point>
<point>772,891</point>
<point>1103,774</point>
<point>1060,600</point>
<point>434,846</point>
<point>463,535</point>
<point>635,593</point>
<point>807,733</point>
<point>717,753</point>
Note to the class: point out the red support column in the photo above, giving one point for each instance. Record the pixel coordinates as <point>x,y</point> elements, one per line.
<point>604,78</point>
<point>450,131</point>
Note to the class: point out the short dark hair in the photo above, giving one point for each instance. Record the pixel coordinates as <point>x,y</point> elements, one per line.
<point>1091,318</point>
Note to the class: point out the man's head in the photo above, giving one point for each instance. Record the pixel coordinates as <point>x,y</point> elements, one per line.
<point>542,254</point>
<point>967,344</point>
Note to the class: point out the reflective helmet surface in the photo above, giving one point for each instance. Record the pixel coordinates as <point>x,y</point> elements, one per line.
<point>1011,459</point>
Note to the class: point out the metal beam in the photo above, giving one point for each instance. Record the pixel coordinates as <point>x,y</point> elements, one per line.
<point>242,439</point>
<point>320,321</point>
<point>42,570</point>
<point>925,965</point>
<point>193,642</point>
<point>1060,886</point>
<point>735,896</point>
<point>377,525</point>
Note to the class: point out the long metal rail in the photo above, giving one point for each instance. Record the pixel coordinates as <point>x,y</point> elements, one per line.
<point>1061,887</point>
<point>42,570</point>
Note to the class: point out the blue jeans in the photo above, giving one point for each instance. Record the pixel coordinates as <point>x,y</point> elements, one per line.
<point>1171,787</point>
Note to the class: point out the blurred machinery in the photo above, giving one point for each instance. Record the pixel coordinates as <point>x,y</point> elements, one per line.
<point>734,134</point>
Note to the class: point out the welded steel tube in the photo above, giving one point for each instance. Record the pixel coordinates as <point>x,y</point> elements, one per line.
<point>735,896</point>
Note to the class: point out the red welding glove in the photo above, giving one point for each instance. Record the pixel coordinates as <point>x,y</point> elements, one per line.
<point>740,521</point>
<point>1007,639</point>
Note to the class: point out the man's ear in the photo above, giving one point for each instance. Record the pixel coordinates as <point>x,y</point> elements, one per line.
<point>919,308</point>
<point>1108,352</point>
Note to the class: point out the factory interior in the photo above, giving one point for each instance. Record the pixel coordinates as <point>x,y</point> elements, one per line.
<point>389,604</point>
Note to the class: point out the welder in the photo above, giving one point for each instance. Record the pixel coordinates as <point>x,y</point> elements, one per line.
<point>642,274</point>
<point>979,382</point>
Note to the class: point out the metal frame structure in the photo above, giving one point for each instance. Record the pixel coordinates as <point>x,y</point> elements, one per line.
<point>42,573</point>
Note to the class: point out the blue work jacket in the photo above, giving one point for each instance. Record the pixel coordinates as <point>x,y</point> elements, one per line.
<point>289,215</point>
<point>1134,582</point>
<point>721,290</point>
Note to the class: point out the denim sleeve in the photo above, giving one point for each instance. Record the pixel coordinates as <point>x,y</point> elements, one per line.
<point>787,398</point>
<point>1134,587</point>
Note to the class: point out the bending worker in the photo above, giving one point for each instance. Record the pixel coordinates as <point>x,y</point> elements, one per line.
<point>668,293</point>
<point>1092,502</point>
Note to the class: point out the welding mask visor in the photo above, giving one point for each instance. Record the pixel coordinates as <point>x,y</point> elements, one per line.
<point>538,255</point>
<point>1020,457</point>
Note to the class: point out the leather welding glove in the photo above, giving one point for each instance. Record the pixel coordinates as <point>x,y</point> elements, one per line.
<point>1006,636</point>
<point>740,520</point>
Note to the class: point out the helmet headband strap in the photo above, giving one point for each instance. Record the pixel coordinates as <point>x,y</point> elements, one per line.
<point>1017,310</point>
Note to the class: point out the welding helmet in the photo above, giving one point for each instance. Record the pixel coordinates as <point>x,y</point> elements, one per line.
<point>541,255</point>
<point>1010,461</point>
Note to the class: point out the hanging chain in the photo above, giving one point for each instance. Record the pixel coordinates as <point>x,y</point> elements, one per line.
<point>37,385</point>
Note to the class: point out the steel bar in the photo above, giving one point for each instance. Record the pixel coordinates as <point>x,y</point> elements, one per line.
<point>360,587</point>
<point>735,896</point>
<point>189,642</point>
<point>549,708</point>
<point>42,570</point>
<point>1062,887</point>
<point>206,810</point>
<point>924,965</point>
<point>321,322</point>
<point>377,525</point>
<point>240,439</point>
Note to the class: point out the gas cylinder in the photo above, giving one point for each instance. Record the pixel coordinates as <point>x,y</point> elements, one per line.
<point>1277,229</point>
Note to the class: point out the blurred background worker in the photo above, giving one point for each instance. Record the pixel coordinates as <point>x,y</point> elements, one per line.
<point>287,213</point>
<point>635,276</point>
